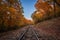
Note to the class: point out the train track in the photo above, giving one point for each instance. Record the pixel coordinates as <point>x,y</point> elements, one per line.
<point>32,34</point>
<point>28,34</point>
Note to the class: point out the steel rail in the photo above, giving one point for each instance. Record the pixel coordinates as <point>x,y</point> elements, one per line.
<point>34,33</point>
<point>21,36</point>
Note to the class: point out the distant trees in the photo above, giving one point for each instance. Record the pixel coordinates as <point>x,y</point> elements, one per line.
<point>45,10</point>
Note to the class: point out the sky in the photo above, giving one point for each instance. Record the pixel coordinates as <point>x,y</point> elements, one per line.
<point>28,7</point>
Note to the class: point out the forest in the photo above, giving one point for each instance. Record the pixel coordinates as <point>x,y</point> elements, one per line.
<point>46,10</point>
<point>12,13</point>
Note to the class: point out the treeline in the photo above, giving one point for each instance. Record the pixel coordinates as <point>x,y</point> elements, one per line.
<point>45,10</point>
<point>11,15</point>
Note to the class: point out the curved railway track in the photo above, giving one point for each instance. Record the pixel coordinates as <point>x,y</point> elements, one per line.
<point>32,34</point>
<point>28,34</point>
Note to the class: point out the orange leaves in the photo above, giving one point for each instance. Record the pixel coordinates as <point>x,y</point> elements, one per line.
<point>42,11</point>
<point>45,10</point>
<point>12,10</point>
<point>38,15</point>
<point>43,5</point>
<point>27,22</point>
<point>10,16</point>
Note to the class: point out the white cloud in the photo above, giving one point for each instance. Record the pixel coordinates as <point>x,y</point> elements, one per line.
<point>29,18</point>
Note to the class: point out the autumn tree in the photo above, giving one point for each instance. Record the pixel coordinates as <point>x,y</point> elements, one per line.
<point>56,6</point>
<point>45,9</point>
<point>11,13</point>
<point>38,16</point>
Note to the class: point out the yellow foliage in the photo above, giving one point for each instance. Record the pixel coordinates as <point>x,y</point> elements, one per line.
<point>43,5</point>
<point>45,10</point>
<point>10,14</point>
<point>11,9</point>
